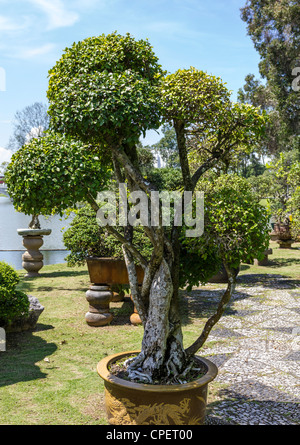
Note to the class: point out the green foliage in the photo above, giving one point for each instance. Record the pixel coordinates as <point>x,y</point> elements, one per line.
<point>167,147</point>
<point>8,276</point>
<point>236,229</point>
<point>191,96</point>
<point>274,27</point>
<point>166,178</point>
<point>86,238</point>
<point>105,89</point>
<point>293,203</point>
<point>13,303</point>
<point>146,157</point>
<point>53,173</point>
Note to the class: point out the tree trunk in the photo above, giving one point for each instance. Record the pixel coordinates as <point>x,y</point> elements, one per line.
<point>162,352</point>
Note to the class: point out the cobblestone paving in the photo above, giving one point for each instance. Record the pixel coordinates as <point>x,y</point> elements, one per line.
<point>256,347</point>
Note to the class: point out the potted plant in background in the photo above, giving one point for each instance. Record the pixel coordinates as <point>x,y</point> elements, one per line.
<point>91,244</point>
<point>113,93</point>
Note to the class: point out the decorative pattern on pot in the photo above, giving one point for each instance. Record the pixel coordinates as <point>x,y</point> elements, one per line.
<point>131,403</point>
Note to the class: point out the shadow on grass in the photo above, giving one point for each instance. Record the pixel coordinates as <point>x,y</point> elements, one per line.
<point>55,274</point>
<point>122,314</point>
<point>23,351</point>
<point>284,262</point>
<point>273,281</point>
<point>203,302</point>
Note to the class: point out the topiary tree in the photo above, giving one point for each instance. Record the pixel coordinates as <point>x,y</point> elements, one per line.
<point>106,91</point>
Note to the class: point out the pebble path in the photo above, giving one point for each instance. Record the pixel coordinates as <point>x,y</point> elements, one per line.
<point>256,347</point>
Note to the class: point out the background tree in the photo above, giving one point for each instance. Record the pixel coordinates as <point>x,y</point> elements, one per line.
<point>167,148</point>
<point>31,122</point>
<point>274,27</point>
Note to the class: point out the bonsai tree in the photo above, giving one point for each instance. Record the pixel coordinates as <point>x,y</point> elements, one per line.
<point>105,92</point>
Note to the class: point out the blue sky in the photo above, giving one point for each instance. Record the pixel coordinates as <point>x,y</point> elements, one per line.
<point>206,34</point>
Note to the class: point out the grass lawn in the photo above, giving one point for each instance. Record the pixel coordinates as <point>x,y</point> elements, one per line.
<point>49,376</point>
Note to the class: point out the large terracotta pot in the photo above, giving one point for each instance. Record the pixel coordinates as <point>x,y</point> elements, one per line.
<point>130,403</point>
<point>110,271</point>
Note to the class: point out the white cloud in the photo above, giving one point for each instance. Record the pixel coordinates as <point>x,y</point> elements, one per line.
<point>57,14</point>
<point>6,24</point>
<point>28,53</point>
<point>5,155</point>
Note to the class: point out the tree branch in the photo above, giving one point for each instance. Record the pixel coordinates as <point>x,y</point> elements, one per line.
<point>190,351</point>
<point>118,235</point>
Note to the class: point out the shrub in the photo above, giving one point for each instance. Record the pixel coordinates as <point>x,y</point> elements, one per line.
<point>236,229</point>
<point>85,238</point>
<point>14,303</point>
<point>8,276</point>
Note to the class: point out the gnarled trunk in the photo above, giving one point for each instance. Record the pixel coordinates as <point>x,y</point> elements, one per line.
<point>162,352</point>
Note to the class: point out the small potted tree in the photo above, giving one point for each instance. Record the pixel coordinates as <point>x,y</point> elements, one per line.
<point>107,91</point>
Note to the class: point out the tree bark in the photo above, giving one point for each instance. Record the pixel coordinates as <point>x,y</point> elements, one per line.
<point>162,351</point>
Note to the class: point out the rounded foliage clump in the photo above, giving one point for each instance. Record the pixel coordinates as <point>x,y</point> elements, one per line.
<point>13,305</point>
<point>106,88</point>
<point>236,229</point>
<point>8,276</point>
<point>53,173</point>
<point>86,238</point>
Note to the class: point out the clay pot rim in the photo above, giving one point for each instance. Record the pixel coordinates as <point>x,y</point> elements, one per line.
<point>102,369</point>
<point>102,258</point>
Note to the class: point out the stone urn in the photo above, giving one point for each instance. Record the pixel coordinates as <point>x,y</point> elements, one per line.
<point>33,258</point>
<point>105,274</point>
<point>284,237</point>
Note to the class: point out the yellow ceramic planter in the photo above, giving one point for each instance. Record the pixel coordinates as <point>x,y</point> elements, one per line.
<point>130,403</point>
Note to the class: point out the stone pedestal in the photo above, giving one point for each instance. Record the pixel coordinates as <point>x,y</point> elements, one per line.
<point>265,260</point>
<point>107,275</point>
<point>99,297</point>
<point>285,244</point>
<point>117,294</point>
<point>33,258</point>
